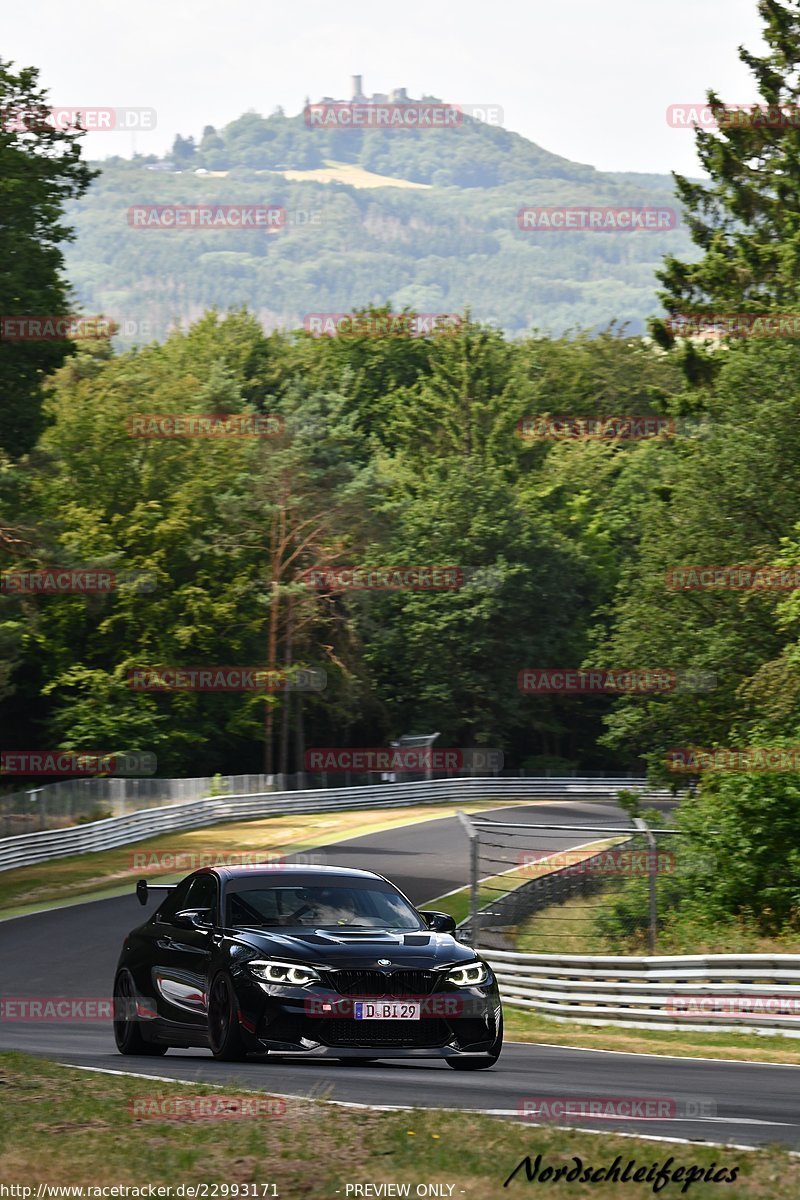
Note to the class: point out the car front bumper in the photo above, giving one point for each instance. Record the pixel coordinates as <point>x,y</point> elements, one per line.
<point>311,1020</point>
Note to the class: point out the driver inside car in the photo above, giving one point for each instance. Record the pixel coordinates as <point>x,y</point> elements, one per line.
<point>333,906</point>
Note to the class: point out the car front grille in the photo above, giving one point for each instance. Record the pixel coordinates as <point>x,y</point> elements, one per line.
<point>383,983</point>
<point>403,1034</point>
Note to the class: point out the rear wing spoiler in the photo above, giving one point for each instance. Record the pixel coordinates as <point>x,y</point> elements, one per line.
<point>143,889</point>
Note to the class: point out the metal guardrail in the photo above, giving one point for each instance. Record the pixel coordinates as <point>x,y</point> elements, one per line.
<point>27,849</point>
<point>702,991</point>
<point>81,800</point>
<point>76,801</point>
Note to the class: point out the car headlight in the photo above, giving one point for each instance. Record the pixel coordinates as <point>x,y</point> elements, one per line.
<point>474,972</point>
<point>280,972</point>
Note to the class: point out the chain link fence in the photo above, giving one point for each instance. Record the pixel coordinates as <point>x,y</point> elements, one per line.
<point>565,889</point>
<point>77,801</point>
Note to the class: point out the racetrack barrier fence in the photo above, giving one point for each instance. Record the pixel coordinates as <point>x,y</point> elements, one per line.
<point>29,848</point>
<point>80,800</point>
<point>708,992</point>
<point>549,883</point>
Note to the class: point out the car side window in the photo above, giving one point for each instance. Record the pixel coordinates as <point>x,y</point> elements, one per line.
<point>174,902</point>
<point>203,894</point>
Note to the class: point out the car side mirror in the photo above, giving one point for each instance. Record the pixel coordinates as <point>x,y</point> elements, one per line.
<point>439,922</point>
<point>193,918</point>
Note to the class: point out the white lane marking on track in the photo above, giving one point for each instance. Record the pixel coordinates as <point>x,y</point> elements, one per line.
<point>510,1112</point>
<point>742,1062</point>
<point>488,1112</point>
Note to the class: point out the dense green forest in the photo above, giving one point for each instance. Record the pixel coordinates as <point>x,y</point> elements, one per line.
<point>394,451</point>
<point>451,245</point>
<point>404,451</point>
<point>400,450</point>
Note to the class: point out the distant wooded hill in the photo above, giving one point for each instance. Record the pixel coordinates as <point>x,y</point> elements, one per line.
<point>444,247</point>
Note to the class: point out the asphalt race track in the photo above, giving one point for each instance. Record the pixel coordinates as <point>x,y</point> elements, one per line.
<point>73,952</point>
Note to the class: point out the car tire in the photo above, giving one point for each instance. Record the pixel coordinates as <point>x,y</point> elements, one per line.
<point>224,1033</point>
<point>127,1033</point>
<point>482,1062</point>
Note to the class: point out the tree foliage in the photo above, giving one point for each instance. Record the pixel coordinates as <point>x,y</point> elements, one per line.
<point>40,171</point>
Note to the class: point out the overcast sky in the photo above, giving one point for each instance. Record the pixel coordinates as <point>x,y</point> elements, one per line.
<point>587,80</point>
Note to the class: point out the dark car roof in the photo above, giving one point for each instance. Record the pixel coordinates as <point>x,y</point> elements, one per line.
<point>291,869</point>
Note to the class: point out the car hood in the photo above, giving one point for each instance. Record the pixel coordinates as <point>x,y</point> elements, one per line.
<point>329,948</point>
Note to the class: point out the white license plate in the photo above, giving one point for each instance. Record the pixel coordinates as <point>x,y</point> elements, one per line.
<point>387,1010</point>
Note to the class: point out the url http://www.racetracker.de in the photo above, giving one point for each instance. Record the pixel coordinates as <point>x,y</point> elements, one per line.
<point>156,1191</point>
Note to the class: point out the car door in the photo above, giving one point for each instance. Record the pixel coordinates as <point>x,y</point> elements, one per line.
<point>182,954</point>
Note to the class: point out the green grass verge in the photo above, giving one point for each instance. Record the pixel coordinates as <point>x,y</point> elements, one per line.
<point>570,928</point>
<point>76,1128</point>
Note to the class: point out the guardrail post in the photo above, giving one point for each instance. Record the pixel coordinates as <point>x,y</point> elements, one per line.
<point>652,848</point>
<point>474,846</point>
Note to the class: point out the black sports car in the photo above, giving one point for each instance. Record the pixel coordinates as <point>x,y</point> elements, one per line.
<point>303,960</point>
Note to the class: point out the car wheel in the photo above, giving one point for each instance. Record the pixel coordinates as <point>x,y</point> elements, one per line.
<point>127,1033</point>
<point>224,1034</point>
<point>483,1062</point>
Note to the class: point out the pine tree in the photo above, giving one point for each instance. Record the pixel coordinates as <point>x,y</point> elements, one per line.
<point>746,220</point>
<point>40,171</point>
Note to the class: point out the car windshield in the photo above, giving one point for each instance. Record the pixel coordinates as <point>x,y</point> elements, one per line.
<point>322,907</point>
